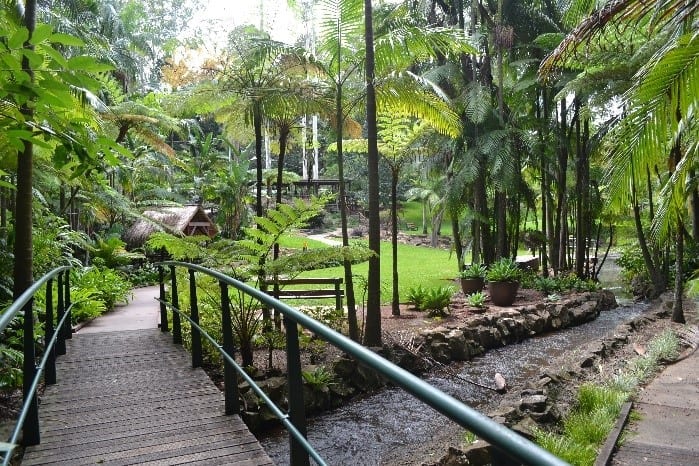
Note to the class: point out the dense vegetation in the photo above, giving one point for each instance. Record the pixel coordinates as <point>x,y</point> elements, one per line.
<point>553,127</point>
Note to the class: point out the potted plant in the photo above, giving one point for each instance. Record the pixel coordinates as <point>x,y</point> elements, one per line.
<point>472,278</point>
<point>503,281</point>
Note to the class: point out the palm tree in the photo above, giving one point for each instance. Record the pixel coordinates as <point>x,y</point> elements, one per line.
<point>399,44</point>
<point>656,129</point>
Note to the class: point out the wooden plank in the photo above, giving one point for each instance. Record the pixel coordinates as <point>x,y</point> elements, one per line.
<point>305,281</point>
<point>131,398</point>
<point>607,449</point>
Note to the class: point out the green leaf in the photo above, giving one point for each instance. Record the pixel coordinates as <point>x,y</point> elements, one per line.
<point>66,39</point>
<point>54,54</point>
<point>88,64</point>
<point>18,38</point>
<point>10,62</point>
<point>41,33</point>
<point>35,60</point>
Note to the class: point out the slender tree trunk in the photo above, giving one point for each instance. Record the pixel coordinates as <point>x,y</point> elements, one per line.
<point>257,125</point>
<point>458,248</point>
<point>3,213</point>
<point>582,188</point>
<point>372,336</point>
<point>656,276</point>
<point>694,206</point>
<point>561,211</point>
<point>353,327</point>
<point>395,301</point>
<point>23,265</point>
<point>347,264</point>
<point>677,306</point>
<point>501,222</point>
<point>543,168</point>
<point>283,139</point>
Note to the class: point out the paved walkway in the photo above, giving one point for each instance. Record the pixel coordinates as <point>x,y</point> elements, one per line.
<point>668,431</point>
<point>127,395</point>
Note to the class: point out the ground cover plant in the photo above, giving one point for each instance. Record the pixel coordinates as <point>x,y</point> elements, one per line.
<point>586,427</point>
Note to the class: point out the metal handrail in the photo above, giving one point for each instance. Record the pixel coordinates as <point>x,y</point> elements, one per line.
<point>510,442</point>
<point>28,419</point>
<point>284,418</point>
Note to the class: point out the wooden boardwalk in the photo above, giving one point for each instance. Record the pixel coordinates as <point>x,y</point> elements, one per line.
<point>132,397</point>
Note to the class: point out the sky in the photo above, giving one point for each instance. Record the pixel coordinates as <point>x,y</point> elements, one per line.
<point>279,20</point>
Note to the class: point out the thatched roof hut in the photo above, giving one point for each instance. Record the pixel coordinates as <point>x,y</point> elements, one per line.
<point>187,221</point>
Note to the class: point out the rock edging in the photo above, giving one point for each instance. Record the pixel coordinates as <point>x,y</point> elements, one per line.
<point>539,404</point>
<point>512,325</point>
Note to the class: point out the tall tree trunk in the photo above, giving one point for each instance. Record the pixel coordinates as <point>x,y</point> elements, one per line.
<point>3,213</point>
<point>677,306</point>
<point>372,335</point>
<point>257,125</point>
<point>284,131</point>
<point>23,265</point>
<point>395,300</point>
<point>501,224</point>
<point>456,234</point>
<point>561,211</point>
<point>543,168</point>
<point>654,272</point>
<point>347,264</point>
<point>582,188</point>
<point>694,206</point>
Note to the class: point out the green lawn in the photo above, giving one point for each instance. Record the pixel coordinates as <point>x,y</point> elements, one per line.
<point>411,212</point>
<point>416,266</point>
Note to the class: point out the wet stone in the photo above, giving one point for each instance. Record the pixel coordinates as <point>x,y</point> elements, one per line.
<point>533,403</point>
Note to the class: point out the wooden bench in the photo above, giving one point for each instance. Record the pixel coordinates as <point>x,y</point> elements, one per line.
<point>318,292</point>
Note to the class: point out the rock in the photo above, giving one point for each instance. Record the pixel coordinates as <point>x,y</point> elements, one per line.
<point>550,414</point>
<point>587,361</point>
<point>533,403</point>
<point>526,427</point>
<point>500,383</point>
<point>508,413</point>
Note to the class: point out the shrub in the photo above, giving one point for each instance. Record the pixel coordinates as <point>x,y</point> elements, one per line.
<point>476,299</point>
<point>437,301</point>
<point>473,271</point>
<point>319,379</point>
<point>504,270</point>
<point>416,296</point>
<point>546,285</point>
<point>109,286</point>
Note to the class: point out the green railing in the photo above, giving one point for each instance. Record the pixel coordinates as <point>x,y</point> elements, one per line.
<point>508,441</point>
<point>54,344</point>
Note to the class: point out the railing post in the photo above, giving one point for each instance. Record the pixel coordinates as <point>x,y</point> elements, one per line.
<point>68,328</point>
<point>30,430</point>
<point>194,315</point>
<point>50,374</point>
<point>176,327</point>
<point>163,309</point>
<point>60,311</point>
<point>297,409</point>
<point>230,380</point>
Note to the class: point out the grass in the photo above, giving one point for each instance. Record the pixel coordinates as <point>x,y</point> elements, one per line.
<point>416,266</point>
<point>598,406</point>
<point>411,212</point>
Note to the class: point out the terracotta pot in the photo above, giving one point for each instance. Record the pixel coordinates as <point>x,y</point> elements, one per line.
<point>503,293</point>
<point>471,285</point>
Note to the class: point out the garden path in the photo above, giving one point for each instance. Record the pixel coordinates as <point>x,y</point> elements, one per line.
<point>127,395</point>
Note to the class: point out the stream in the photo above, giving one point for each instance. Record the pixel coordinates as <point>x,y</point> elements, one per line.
<point>385,427</point>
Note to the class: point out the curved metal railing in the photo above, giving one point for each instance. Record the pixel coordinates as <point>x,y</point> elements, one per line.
<point>508,441</point>
<point>28,419</point>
